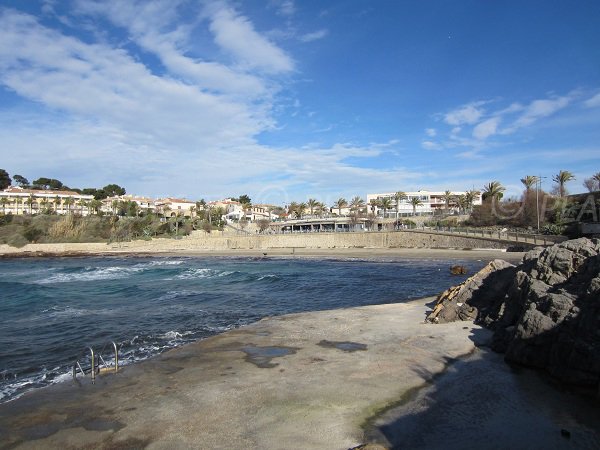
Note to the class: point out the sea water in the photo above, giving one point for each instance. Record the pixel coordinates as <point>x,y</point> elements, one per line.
<point>52,309</point>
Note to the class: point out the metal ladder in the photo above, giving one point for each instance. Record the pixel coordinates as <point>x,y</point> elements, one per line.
<point>98,364</point>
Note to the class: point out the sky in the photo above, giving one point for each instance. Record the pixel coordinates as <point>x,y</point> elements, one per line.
<point>286,100</point>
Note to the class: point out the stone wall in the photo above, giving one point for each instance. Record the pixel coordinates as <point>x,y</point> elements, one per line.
<point>402,239</point>
<point>218,241</point>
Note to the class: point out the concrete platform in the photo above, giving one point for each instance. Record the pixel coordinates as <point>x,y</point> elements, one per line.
<point>306,381</point>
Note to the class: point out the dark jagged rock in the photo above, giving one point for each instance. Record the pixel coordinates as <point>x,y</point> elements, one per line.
<point>545,313</point>
<point>458,270</point>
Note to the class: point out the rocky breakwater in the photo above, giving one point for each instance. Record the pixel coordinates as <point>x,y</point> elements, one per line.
<point>545,312</point>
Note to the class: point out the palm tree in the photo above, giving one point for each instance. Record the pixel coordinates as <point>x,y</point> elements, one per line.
<point>44,204</point>
<point>385,204</point>
<point>312,205</point>
<point>463,202</point>
<point>30,201</point>
<point>415,201</point>
<point>246,206</point>
<point>398,197</point>
<point>82,204</point>
<point>4,201</point>
<point>448,198</point>
<point>95,205</point>
<point>68,202</point>
<point>301,209</point>
<point>292,208</point>
<point>493,190</point>
<point>562,178</point>
<point>529,181</point>
<point>114,206</point>
<point>57,201</point>
<point>18,202</point>
<point>339,204</point>
<point>470,198</point>
<point>357,203</point>
<point>374,203</point>
<point>320,209</point>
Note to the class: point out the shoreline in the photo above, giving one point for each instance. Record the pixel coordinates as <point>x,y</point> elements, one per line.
<point>358,253</point>
<point>325,379</point>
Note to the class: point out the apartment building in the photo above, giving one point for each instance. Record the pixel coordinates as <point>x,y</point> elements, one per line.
<point>18,200</point>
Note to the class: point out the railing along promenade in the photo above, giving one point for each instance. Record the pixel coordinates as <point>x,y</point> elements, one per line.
<point>500,235</point>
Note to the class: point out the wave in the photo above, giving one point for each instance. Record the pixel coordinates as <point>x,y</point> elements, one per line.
<point>92,274</point>
<point>202,273</point>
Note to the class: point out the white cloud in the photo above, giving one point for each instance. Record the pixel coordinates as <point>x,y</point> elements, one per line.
<point>236,34</point>
<point>593,102</point>
<point>430,145</point>
<point>486,128</point>
<point>431,132</point>
<point>539,109</point>
<point>285,7</point>
<point>467,114</point>
<point>314,36</point>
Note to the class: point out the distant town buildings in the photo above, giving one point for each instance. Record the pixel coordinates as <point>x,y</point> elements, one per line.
<point>420,203</point>
<point>18,200</point>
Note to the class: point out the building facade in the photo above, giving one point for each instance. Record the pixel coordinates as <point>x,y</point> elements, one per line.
<point>17,200</point>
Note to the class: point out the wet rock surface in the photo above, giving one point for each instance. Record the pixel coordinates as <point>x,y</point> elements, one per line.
<point>545,312</point>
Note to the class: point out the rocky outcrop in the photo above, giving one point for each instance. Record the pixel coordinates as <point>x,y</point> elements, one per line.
<point>545,312</point>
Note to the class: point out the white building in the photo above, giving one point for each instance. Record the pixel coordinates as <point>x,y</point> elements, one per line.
<point>17,200</point>
<point>172,207</point>
<point>430,203</point>
<point>145,204</point>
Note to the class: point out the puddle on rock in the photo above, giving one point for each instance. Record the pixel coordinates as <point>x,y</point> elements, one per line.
<point>345,346</point>
<point>262,356</point>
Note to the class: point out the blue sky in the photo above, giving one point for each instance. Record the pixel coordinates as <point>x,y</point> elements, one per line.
<point>286,100</point>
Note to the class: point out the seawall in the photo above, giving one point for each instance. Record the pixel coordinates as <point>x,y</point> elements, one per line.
<point>216,242</point>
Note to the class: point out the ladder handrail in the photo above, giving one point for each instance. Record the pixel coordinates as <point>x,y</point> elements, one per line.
<point>95,362</point>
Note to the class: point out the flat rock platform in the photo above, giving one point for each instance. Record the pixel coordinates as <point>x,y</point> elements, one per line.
<point>310,380</point>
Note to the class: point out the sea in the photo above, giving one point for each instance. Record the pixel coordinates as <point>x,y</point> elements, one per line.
<point>53,309</point>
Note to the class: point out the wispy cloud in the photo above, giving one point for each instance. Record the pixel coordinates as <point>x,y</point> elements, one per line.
<point>593,102</point>
<point>314,36</point>
<point>487,128</point>
<point>236,34</point>
<point>465,115</point>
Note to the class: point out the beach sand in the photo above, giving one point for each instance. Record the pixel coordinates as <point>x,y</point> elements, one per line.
<point>139,249</point>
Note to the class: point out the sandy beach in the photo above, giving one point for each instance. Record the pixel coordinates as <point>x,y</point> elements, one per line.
<point>139,249</point>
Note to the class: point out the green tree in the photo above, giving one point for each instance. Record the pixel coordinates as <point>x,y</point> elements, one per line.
<point>415,201</point>
<point>245,199</point>
<point>4,201</point>
<point>398,197</point>
<point>95,205</point>
<point>57,201</point>
<point>493,190</point>
<point>448,198</point>
<point>21,180</point>
<point>470,198</point>
<point>113,190</point>
<point>30,201</point>
<point>339,204</point>
<point>385,204</point>
<point>69,202</point>
<point>529,181</point>
<point>312,205</point>
<point>356,204</point>
<point>4,179</point>
<point>561,179</point>
<point>82,204</point>
<point>374,204</point>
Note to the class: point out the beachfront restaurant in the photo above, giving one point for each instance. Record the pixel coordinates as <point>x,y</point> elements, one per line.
<point>329,225</point>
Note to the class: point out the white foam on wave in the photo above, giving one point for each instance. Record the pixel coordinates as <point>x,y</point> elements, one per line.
<point>92,274</point>
<point>201,273</point>
<point>268,276</point>
<point>159,263</point>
